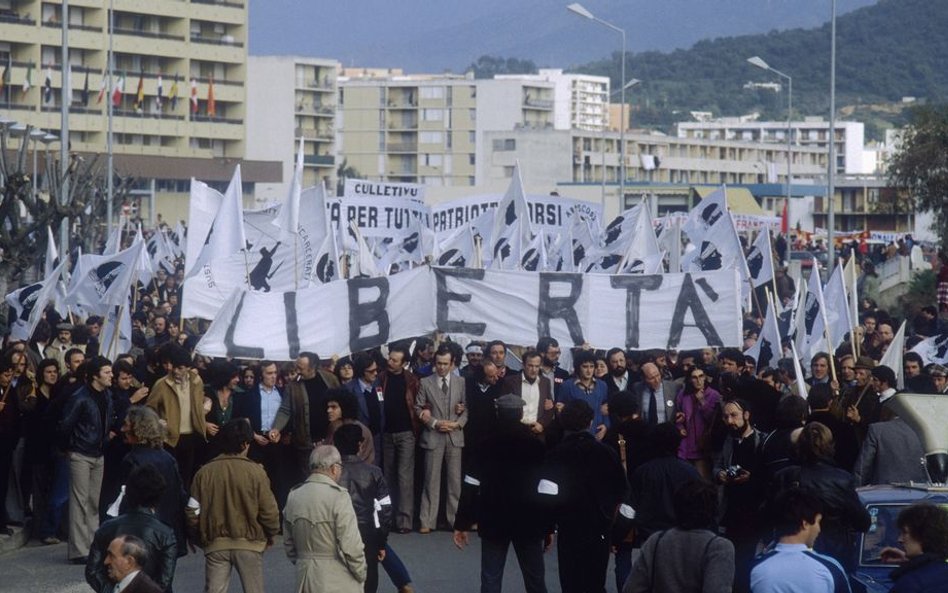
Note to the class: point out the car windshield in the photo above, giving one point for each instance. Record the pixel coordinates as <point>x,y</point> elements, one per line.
<point>883,533</point>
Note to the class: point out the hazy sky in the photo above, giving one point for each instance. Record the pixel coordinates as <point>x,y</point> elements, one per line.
<point>435,35</point>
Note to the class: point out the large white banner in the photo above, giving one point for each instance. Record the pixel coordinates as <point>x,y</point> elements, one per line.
<point>391,217</point>
<point>682,311</point>
<point>547,213</point>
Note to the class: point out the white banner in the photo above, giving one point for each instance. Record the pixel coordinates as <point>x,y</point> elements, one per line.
<point>360,188</point>
<point>547,213</point>
<point>391,217</point>
<point>683,311</point>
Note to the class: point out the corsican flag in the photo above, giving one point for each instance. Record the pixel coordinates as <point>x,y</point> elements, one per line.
<point>226,235</point>
<point>512,230</point>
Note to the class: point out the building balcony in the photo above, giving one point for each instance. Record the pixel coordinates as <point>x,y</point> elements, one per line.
<point>227,4</point>
<point>401,147</point>
<point>12,17</point>
<point>319,160</point>
<point>538,104</point>
<point>220,40</point>
<point>402,125</point>
<point>148,34</point>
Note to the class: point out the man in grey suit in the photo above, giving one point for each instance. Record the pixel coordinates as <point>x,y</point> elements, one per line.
<point>441,410</point>
<point>891,453</point>
<point>657,396</point>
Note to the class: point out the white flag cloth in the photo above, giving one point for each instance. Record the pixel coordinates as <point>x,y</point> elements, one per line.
<point>114,243</point>
<point>760,259</point>
<point>837,309</point>
<point>29,302</point>
<point>145,271</point>
<point>226,235</point>
<point>103,281</point>
<point>585,240</point>
<point>719,249</point>
<point>669,241</point>
<point>327,261</point>
<point>802,390</point>
<point>366,264</point>
<point>615,241</point>
<point>457,250</point>
<point>933,350</point>
<point>850,275</point>
<point>705,215</point>
<point>560,258</point>
<point>203,205</point>
<point>512,230</point>
<point>289,217</point>
<point>811,318</point>
<point>52,254</point>
<point>643,255</point>
<point>178,237</point>
<point>892,357</point>
<point>160,251</point>
<point>533,258</point>
<point>110,344</point>
<point>768,348</point>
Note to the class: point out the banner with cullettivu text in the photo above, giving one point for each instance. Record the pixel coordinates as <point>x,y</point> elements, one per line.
<point>675,311</point>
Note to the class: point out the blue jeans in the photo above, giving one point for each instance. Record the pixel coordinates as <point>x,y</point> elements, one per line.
<point>58,498</point>
<point>395,568</point>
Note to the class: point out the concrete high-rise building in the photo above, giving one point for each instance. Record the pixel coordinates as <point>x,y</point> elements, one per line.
<point>289,98</point>
<point>416,129</point>
<point>808,132</point>
<point>580,101</point>
<point>166,48</point>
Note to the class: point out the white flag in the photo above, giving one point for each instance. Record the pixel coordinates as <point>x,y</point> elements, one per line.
<point>29,302</point>
<point>52,254</point>
<point>366,264</point>
<point>533,258</point>
<point>933,350</point>
<point>111,345</point>
<point>892,357</point>
<point>760,259</point>
<point>643,255</point>
<point>203,204</point>
<point>145,271</point>
<point>103,281</point>
<point>512,230</point>
<point>289,217</point>
<point>837,309</point>
<point>768,348</point>
<point>226,235</point>
<point>457,250</point>
<point>561,252</point>
<point>114,243</point>
<point>705,215</point>
<point>811,319</point>
<point>669,241</point>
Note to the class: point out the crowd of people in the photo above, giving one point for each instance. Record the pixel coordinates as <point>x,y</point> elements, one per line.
<point>694,470</point>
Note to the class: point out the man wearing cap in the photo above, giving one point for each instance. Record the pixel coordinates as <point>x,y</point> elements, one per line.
<point>499,495</point>
<point>939,375</point>
<point>860,402</point>
<point>62,344</point>
<point>474,354</point>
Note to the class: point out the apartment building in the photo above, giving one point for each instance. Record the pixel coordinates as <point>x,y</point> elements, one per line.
<point>580,101</point>
<point>178,86</point>
<point>808,132</point>
<point>291,98</point>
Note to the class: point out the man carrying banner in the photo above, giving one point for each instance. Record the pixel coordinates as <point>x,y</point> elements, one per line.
<point>304,404</point>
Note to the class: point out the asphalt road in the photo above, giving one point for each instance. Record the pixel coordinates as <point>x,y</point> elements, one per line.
<point>435,565</point>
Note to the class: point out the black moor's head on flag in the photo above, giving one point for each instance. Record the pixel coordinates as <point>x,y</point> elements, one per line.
<point>766,354</point>
<point>711,213</point>
<point>510,215</point>
<point>27,299</point>
<point>502,249</point>
<point>614,230</point>
<point>453,258</point>
<point>325,269</point>
<point>810,312</point>
<point>530,260</point>
<point>104,275</point>
<point>755,261</point>
<point>710,258</point>
<point>410,243</point>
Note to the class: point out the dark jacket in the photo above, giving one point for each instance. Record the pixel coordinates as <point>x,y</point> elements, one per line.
<point>140,522</point>
<point>651,490</point>
<point>923,574</point>
<point>171,508</point>
<point>514,384</point>
<point>412,385</point>
<point>499,492</point>
<point>142,583</point>
<point>370,498</point>
<point>845,439</point>
<point>84,426</point>
<point>843,514</point>
<point>590,485</point>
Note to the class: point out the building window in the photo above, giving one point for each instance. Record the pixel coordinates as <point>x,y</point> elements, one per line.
<point>432,92</point>
<point>432,114</point>
<point>505,144</point>
<point>433,160</point>
<point>430,137</point>
<point>508,171</point>
<point>471,159</point>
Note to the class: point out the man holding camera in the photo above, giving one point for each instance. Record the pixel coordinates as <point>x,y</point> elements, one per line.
<point>736,467</point>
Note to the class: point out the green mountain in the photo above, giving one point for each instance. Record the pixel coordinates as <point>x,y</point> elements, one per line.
<point>884,52</point>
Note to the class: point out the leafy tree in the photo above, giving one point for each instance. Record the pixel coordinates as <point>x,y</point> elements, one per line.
<point>920,166</point>
<point>488,66</point>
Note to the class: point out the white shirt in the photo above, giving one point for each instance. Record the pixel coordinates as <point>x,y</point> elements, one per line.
<point>530,392</point>
<point>621,382</point>
<point>125,582</point>
<point>269,406</point>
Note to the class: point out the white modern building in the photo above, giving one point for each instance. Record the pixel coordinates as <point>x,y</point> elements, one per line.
<point>580,101</point>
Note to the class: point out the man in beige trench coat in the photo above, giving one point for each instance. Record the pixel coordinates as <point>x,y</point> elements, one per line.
<point>320,531</point>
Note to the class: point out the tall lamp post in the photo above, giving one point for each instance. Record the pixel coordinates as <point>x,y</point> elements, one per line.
<point>831,176</point>
<point>579,9</point>
<point>625,87</point>
<point>760,63</point>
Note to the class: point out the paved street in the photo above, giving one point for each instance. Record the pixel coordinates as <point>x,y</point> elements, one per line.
<point>435,564</point>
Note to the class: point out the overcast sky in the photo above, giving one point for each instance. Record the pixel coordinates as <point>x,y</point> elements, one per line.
<point>437,35</point>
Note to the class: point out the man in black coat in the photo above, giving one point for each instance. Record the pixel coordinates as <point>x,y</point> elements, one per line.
<point>499,494</point>
<point>260,405</point>
<point>144,490</point>
<point>582,484</point>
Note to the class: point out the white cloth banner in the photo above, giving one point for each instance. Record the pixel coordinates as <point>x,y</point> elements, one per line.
<point>391,217</point>
<point>360,188</point>
<point>547,213</point>
<point>683,311</point>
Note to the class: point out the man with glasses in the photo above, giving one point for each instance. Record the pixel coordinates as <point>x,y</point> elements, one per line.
<point>370,395</point>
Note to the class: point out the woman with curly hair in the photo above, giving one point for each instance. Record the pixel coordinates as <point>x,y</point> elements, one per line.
<point>145,433</point>
<point>342,407</point>
<point>924,541</point>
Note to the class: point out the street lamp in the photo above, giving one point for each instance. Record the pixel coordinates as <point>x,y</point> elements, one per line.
<point>35,136</point>
<point>831,176</point>
<point>760,63</point>
<point>602,146</point>
<point>579,9</point>
<point>47,140</point>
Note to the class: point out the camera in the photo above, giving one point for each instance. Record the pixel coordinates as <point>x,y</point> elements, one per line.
<point>733,471</point>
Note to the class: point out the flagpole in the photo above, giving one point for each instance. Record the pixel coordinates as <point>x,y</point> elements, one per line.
<point>108,141</point>
<point>64,130</point>
<point>116,331</point>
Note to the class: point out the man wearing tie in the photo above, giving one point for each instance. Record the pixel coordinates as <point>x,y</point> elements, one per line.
<point>657,396</point>
<point>441,410</point>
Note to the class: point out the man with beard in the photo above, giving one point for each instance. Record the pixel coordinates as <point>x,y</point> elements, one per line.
<point>549,350</point>
<point>619,378</point>
<point>737,467</point>
<point>734,384</point>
